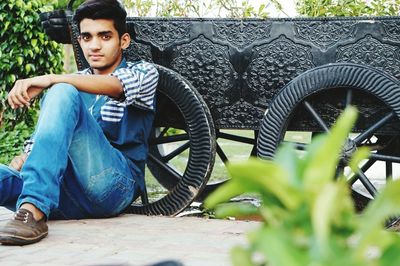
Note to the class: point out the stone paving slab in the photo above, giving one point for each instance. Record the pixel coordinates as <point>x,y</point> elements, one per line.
<point>131,240</point>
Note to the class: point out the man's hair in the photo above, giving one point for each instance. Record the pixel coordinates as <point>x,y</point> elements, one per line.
<point>102,9</point>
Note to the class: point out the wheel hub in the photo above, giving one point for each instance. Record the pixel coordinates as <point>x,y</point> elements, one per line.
<point>348,149</point>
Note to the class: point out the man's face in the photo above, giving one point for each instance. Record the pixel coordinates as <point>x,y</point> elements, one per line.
<point>101,44</point>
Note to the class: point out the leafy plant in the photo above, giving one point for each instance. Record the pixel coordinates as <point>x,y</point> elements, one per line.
<point>25,51</point>
<point>329,8</point>
<point>141,8</point>
<point>62,4</point>
<point>307,216</point>
<point>191,8</point>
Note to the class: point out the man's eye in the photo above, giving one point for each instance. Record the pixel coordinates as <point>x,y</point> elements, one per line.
<point>85,38</point>
<point>106,37</point>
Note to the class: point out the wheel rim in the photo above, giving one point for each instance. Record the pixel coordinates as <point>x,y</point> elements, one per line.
<point>368,181</point>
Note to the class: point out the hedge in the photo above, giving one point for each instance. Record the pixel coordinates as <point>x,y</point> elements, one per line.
<point>25,51</point>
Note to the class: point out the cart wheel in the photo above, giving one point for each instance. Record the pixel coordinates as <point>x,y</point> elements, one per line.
<point>183,123</point>
<point>311,103</point>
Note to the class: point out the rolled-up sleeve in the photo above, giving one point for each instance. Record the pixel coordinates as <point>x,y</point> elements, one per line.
<point>28,145</point>
<point>139,82</point>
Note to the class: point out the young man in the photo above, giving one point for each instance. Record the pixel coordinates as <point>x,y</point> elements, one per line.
<point>86,157</point>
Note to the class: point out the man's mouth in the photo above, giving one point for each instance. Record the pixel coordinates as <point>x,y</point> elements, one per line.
<point>95,56</point>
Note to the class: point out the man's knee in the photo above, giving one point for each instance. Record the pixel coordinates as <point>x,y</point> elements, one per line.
<point>61,94</point>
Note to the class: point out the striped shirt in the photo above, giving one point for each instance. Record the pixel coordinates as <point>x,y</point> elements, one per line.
<point>139,82</point>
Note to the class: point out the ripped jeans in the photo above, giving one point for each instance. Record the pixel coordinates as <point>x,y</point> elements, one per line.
<point>73,171</point>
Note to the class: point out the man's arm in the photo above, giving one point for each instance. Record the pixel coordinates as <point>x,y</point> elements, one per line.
<point>26,89</point>
<point>18,161</point>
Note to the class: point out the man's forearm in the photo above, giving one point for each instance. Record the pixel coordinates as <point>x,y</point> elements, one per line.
<point>26,89</point>
<point>96,84</point>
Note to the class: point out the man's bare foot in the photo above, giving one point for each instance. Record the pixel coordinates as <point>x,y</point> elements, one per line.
<point>37,214</point>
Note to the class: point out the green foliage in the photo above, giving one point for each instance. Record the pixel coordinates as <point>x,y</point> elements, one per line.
<point>62,4</point>
<point>176,8</point>
<point>329,8</point>
<point>25,51</point>
<point>308,216</point>
<point>11,140</point>
<point>142,7</point>
<point>243,10</point>
<point>190,8</point>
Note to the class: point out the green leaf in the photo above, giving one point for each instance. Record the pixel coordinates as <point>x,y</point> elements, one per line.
<point>329,204</point>
<point>385,205</point>
<point>278,248</point>
<point>20,60</point>
<point>266,177</point>
<point>361,153</point>
<point>323,154</point>
<point>241,257</point>
<point>5,26</point>
<point>28,68</point>
<point>12,78</point>
<point>288,159</point>
<point>391,256</point>
<point>34,42</point>
<point>224,193</point>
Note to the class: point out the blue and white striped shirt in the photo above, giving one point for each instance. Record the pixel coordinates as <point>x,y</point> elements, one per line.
<point>139,81</point>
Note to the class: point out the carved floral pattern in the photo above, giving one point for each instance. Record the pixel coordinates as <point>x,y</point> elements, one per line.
<point>370,51</point>
<point>138,51</point>
<point>207,67</point>
<point>241,33</point>
<point>273,65</point>
<point>241,114</point>
<point>162,33</point>
<point>324,33</point>
<point>392,29</point>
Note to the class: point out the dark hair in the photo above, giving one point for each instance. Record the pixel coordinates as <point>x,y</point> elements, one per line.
<point>102,9</point>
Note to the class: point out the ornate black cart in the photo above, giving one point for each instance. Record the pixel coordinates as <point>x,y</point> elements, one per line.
<point>303,71</point>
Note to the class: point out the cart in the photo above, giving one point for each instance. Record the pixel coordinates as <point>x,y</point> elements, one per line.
<point>274,77</point>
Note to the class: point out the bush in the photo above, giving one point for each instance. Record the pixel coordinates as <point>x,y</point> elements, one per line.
<point>351,8</point>
<point>63,4</point>
<point>190,8</point>
<point>25,51</point>
<point>307,217</point>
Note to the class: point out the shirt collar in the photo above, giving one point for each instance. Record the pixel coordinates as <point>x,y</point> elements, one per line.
<point>123,64</point>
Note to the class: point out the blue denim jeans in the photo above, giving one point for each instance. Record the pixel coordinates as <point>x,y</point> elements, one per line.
<point>72,171</point>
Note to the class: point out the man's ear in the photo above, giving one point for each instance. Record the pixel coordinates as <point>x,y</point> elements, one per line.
<point>125,40</point>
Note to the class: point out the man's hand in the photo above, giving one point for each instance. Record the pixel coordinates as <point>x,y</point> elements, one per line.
<point>26,89</point>
<point>18,161</point>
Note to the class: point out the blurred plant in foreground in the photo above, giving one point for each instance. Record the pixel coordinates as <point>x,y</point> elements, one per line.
<point>307,215</point>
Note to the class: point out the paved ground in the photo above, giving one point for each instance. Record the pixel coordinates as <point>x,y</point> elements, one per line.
<point>131,240</point>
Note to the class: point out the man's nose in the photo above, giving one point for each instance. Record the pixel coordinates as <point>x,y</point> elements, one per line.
<point>95,44</point>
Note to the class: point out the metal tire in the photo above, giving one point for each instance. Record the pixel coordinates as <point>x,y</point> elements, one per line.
<point>345,75</point>
<point>201,132</point>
